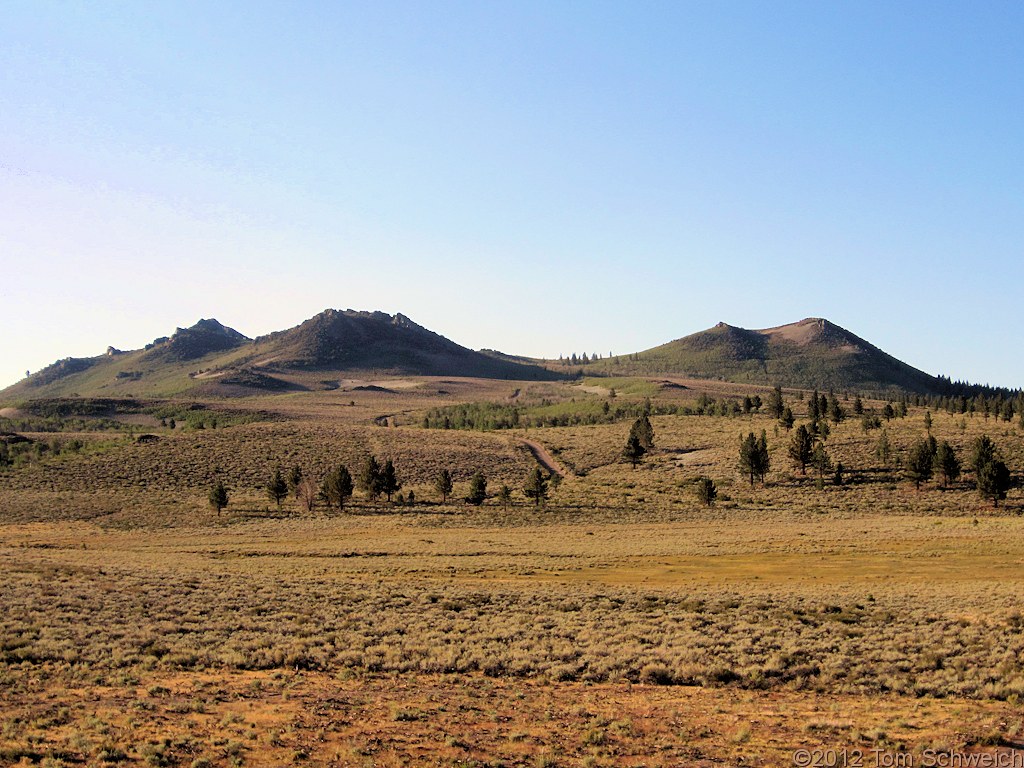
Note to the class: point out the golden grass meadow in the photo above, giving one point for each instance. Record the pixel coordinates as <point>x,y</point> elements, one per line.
<point>622,622</point>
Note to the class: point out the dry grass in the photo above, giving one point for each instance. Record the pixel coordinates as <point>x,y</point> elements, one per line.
<point>623,624</point>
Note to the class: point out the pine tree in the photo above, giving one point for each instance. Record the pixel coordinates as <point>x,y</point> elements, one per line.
<point>835,411</point>
<point>764,460</point>
<point>634,450</point>
<point>477,489</point>
<point>787,419</point>
<point>218,496</point>
<point>837,478</point>
<point>994,481</point>
<point>389,483</point>
<point>536,487</point>
<point>800,447</point>
<point>277,488</point>
<point>337,487</point>
<point>443,484</point>
<point>295,479</point>
<point>983,451</point>
<point>947,463</point>
<point>813,409</point>
<point>821,461</point>
<point>858,406</point>
<point>369,480</point>
<point>883,450</point>
<point>706,490</point>
<point>775,403</point>
<point>748,463</point>
<point>504,496</point>
<point>644,432</point>
<point>919,463</point>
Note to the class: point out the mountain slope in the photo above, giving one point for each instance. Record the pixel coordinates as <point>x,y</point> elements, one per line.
<point>378,342</point>
<point>202,339</point>
<point>161,368</point>
<point>211,359</point>
<point>813,353</point>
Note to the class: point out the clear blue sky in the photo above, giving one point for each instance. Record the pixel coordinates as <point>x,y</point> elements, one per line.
<point>537,177</point>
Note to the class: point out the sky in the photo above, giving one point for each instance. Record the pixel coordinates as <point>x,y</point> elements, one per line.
<point>541,178</point>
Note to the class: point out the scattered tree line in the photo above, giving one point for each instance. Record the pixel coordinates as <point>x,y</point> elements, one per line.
<point>376,480</point>
<point>927,458</point>
<point>487,416</point>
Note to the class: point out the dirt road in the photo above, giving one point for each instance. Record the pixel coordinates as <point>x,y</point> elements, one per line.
<point>545,459</point>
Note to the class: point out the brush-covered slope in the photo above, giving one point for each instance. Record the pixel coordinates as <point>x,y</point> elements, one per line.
<point>202,339</point>
<point>808,354</point>
<point>377,342</point>
<point>211,359</point>
<point>163,367</point>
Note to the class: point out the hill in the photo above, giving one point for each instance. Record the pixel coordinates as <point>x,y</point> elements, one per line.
<point>812,353</point>
<point>379,343</point>
<point>202,339</point>
<point>212,359</point>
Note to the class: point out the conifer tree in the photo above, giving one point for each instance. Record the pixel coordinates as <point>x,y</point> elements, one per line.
<point>754,460</point>
<point>983,451</point>
<point>277,488</point>
<point>706,490</point>
<point>787,419</point>
<point>504,496</point>
<point>821,462</point>
<point>218,496</point>
<point>764,461</point>
<point>295,479</point>
<point>643,432</point>
<point>775,403</point>
<point>919,463</point>
<point>883,450</point>
<point>389,483</point>
<point>837,478</point>
<point>443,484</point>
<point>634,450</point>
<point>994,481</point>
<point>536,487</point>
<point>835,410</point>
<point>946,463</point>
<point>337,487</point>
<point>369,480</point>
<point>800,447</point>
<point>477,489</point>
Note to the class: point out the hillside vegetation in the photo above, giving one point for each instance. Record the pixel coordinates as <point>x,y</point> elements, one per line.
<point>210,359</point>
<point>812,353</point>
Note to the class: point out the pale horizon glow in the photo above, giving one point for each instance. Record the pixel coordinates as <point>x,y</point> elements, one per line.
<point>537,178</point>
